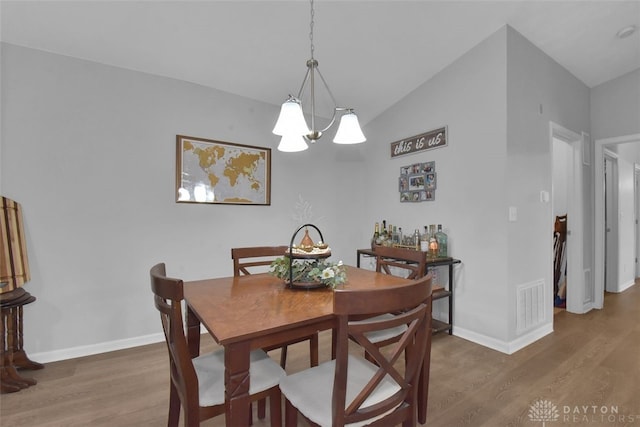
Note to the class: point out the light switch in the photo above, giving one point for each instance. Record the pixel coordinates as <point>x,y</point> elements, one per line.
<point>513,214</point>
<point>544,196</point>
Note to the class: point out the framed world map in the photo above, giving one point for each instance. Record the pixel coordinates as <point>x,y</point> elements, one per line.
<point>218,172</point>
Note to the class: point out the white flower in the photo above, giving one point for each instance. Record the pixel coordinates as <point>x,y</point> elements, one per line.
<point>328,273</point>
<point>340,263</point>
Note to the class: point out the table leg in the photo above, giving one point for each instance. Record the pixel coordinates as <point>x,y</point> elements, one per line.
<point>20,358</point>
<point>193,333</point>
<point>236,384</point>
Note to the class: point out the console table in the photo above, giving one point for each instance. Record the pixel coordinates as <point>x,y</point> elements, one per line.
<point>439,291</point>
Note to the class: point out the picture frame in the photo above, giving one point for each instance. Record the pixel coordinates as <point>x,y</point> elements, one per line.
<point>430,180</point>
<point>428,167</point>
<point>418,182</point>
<point>217,172</point>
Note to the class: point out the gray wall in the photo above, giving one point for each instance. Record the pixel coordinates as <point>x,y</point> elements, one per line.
<point>615,107</point>
<point>540,91</point>
<point>469,97</point>
<point>89,150</point>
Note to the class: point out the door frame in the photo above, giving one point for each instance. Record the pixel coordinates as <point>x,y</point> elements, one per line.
<point>575,223</point>
<point>598,229</point>
<point>611,237</point>
<point>636,192</point>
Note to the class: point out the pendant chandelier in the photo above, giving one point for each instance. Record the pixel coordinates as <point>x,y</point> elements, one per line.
<point>291,124</point>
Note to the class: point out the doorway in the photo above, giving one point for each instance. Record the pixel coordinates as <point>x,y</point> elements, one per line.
<point>599,221</point>
<point>561,188</point>
<point>610,220</point>
<point>575,285</point>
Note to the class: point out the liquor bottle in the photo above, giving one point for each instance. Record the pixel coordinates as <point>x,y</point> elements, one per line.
<point>433,242</point>
<point>416,239</point>
<point>441,237</point>
<point>383,233</point>
<point>400,237</point>
<point>376,236</point>
<point>424,240</point>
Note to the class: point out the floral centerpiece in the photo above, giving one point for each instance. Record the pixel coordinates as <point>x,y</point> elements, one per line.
<point>320,271</point>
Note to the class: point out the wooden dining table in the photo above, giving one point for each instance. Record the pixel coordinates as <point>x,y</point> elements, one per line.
<point>245,313</point>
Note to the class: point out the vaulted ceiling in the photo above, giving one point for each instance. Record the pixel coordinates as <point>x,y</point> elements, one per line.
<point>372,53</point>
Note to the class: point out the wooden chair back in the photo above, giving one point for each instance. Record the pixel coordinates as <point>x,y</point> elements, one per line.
<point>168,296</point>
<point>412,263</point>
<point>245,260</point>
<point>413,303</point>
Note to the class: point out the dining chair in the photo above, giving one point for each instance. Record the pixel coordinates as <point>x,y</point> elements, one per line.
<point>396,262</point>
<point>245,261</point>
<point>352,390</point>
<point>198,384</point>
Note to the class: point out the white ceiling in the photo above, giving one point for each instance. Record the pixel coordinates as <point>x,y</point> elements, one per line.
<point>371,53</point>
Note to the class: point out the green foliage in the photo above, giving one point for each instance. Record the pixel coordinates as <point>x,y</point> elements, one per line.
<point>309,271</point>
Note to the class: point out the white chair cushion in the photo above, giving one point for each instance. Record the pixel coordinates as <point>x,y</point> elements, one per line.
<point>264,373</point>
<point>311,390</point>
<point>378,336</point>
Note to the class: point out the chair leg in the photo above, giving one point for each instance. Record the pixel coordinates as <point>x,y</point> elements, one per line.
<point>262,409</point>
<point>290,414</point>
<point>283,356</point>
<point>275,408</point>
<point>313,350</point>
<point>174,407</point>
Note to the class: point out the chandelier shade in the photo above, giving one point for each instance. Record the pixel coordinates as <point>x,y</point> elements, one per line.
<point>291,123</point>
<point>291,119</point>
<point>349,131</point>
<point>292,143</point>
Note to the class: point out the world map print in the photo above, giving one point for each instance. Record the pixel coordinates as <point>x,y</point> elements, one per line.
<point>220,172</point>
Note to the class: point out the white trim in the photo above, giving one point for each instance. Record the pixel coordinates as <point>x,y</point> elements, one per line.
<point>586,149</point>
<point>598,232</point>
<point>610,153</point>
<point>88,350</point>
<point>624,286</point>
<point>636,213</point>
<point>507,347</point>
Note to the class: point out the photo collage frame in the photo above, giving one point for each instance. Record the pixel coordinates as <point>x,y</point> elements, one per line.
<point>418,182</point>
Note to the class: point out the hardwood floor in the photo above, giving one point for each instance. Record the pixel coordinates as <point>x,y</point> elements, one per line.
<point>590,367</point>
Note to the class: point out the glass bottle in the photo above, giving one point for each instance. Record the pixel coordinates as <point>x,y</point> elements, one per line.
<point>433,242</point>
<point>383,233</point>
<point>424,240</point>
<point>441,237</point>
<point>416,239</point>
<point>400,237</point>
<point>376,236</point>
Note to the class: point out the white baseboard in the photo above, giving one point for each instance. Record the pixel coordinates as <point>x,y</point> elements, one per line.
<point>627,285</point>
<point>504,346</point>
<point>88,350</point>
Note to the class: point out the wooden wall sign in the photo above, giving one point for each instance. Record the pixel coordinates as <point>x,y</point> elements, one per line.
<point>425,141</point>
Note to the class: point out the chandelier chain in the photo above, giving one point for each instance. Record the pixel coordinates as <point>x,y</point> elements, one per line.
<point>311,29</point>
